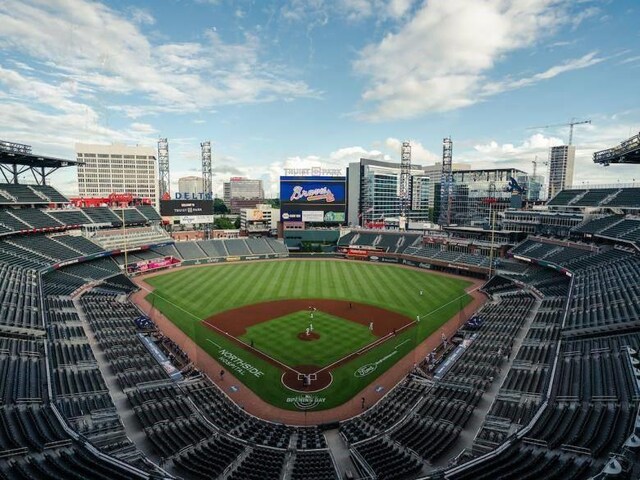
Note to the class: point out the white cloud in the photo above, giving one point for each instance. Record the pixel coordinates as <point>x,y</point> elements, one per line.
<point>587,138</point>
<point>104,52</point>
<point>419,154</point>
<point>439,60</point>
<point>141,16</point>
<point>633,59</point>
<point>387,150</point>
<point>318,12</point>
<point>398,8</point>
<point>569,65</point>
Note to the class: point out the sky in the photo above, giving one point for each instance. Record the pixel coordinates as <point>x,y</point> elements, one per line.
<point>300,83</point>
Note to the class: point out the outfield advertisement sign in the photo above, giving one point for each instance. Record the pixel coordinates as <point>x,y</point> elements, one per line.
<point>313,199</point>
<point>196,219</point>
<point>312,216</point>
<point>179,208</point>
<point>312,190</point>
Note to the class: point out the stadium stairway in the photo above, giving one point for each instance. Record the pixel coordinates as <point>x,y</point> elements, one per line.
<point>475,423</point>
<point>125,412</point>
<point>340,451</point>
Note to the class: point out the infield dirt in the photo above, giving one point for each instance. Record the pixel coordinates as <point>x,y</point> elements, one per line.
<point>234,323</point>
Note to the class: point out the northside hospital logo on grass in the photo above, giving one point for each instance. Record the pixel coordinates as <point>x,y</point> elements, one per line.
<point>237,364</point>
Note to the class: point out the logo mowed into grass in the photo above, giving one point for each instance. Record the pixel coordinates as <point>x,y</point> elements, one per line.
<point>285,338</point>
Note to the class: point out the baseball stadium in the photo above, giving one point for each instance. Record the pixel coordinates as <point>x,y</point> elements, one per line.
<point>307,334</point>
<point>319,351</point>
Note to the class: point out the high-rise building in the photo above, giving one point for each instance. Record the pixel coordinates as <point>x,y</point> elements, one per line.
<point>106,169</point>
<point>240,192</point>
<point>477,194</point>
<point>373,192</point>
<point>191,185</point>
<point>561,160</point>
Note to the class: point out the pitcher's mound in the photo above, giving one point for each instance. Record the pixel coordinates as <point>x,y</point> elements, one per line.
<point>308,338</point>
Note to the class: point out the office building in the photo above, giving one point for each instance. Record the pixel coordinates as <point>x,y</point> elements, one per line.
<point>260,220</point>
<point>373,193</point>
<point>191,185</point>
<point>106,169</point>
<point>561,161</point>
<point>240,192</point>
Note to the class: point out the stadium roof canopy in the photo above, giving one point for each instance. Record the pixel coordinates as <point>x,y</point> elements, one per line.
<point>627,152</point>
<point>16,159</point>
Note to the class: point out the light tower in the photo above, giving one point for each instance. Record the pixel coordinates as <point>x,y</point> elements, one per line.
<point>446,182</point>
<point>405,177</point>
<point>206,169</point>
<point>164,185</point>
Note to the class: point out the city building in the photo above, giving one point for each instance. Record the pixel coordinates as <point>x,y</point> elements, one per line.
<point>106,169</point>
<point>561,160</point>
<point>373,192</point>
<point>534,185</point>
<point>374,189</point>
<point>240,192</point>
<point>262,219</point>
<point>477,194</point>
<point>191,185</point>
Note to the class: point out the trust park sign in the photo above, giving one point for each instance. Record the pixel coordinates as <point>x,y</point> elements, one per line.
<point>313,172</point>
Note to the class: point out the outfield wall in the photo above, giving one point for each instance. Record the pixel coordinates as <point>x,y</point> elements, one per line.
<point>419,262</point>
<point>232,259</point>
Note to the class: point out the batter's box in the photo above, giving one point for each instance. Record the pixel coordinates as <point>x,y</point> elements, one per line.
<point>312,376</point>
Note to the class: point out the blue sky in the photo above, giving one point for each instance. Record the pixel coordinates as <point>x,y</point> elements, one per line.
<point>308,82</point>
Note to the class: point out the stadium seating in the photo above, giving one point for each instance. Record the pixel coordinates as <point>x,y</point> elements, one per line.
<point>213,248</point>
<point>102,215</point>
<point>558,347</point>
<point>190,250</point>
<point>565,197</point>
<point>597,197</point>
<point>10,222</point>
<point>120,239</point>
<point>149,213</point>
<point>50,193</point>
<point>13,194</point>
<point>79,244</point>
<point>70,217</point>
<point>35,218</point>
<point>236,247</point>
<point>597,224</point>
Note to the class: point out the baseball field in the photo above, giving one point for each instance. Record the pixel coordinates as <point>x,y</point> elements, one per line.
<point>307,334</point>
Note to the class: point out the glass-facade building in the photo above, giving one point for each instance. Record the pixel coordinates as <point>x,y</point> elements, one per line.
<point>373,193</point>
<point>476,194</point>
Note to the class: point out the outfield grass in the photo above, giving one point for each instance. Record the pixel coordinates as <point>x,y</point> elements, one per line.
<point>278,338</point>
<point>188,296</point>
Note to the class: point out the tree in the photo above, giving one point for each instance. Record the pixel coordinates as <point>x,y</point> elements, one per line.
<point>274,202</point>
<point>219,207</point>
<point>237,223</point>
<point>223,223</point>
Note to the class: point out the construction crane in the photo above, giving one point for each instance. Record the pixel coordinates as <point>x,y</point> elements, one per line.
<point>535,165</point>
<point>570,124</point>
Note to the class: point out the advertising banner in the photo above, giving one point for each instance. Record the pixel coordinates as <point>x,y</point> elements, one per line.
<point>196,219</point>
<point>331,216</point>
<point>313,216</point>
<point>255,215</point>
<point>313,190</point>
<point>291,216</point>
<point>178,208</point>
